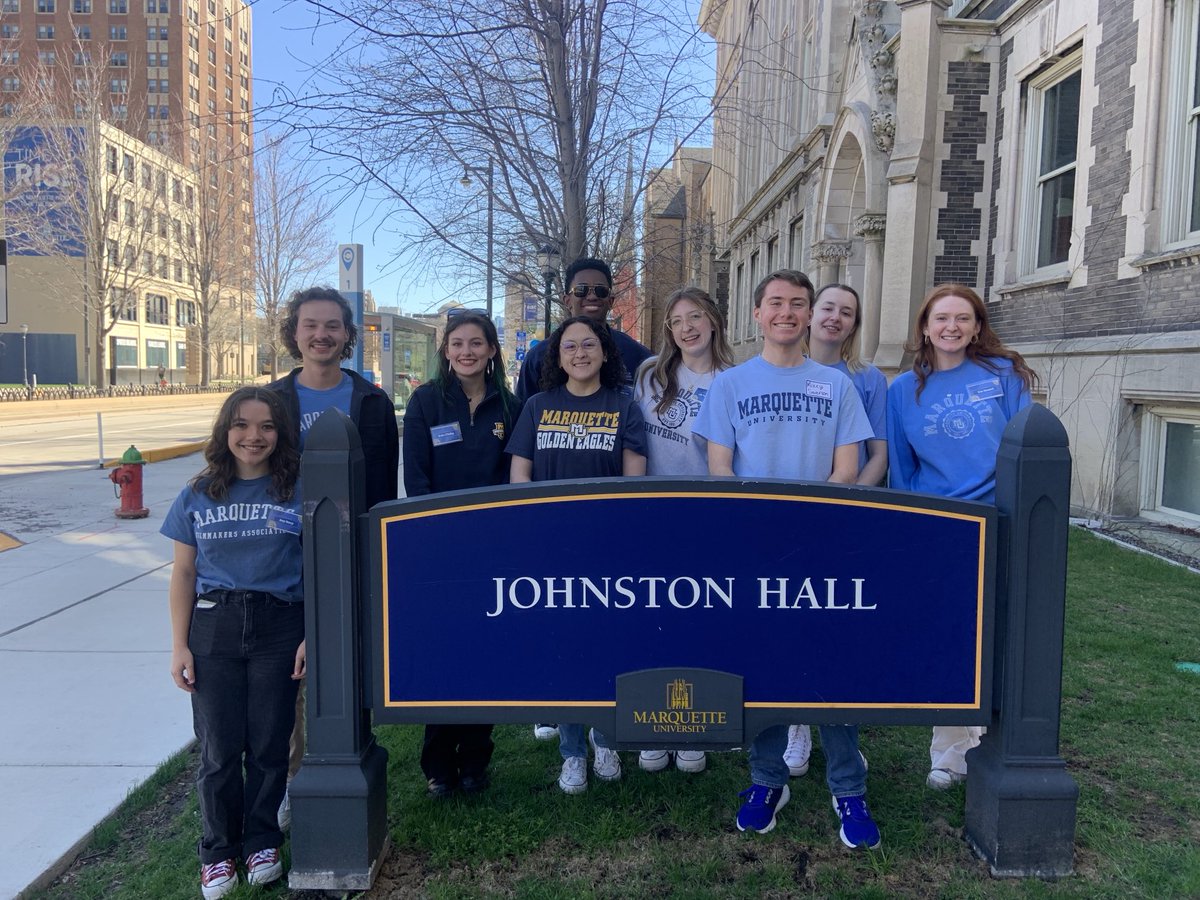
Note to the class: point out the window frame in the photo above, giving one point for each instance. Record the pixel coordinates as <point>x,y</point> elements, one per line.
<point>1032,179</point>
<point>1153,461</point>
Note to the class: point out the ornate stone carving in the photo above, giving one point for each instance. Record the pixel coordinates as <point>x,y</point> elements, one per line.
<point>830,251</point>
<point>880,66</point>
<point>870,225</point>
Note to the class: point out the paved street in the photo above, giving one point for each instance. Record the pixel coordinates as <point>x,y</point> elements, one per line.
<point>43,436</point>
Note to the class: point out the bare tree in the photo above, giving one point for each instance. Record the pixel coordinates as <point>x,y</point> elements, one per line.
<point>566,100</point>
<point>216,249</point>
<point>293,238</point>
<point>76,191</point>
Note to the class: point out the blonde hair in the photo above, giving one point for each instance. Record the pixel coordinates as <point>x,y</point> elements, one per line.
<point>663,370</point>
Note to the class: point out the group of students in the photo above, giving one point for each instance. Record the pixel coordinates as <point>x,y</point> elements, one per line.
<point>590,402</point>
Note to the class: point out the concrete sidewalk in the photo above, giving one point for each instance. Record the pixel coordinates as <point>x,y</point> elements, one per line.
<point>87,707</point>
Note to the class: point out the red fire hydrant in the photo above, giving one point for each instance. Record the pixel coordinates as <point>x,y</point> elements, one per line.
<point>129,476</point>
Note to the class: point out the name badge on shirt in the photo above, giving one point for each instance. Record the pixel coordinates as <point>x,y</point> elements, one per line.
<point>984,390</point>
<point>450,433</point>
<point>283,520</point>
<point>821,389</point>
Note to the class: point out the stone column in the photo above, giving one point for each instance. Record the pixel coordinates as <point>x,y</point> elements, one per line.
<point>828,256</point>
<point>870,227</point>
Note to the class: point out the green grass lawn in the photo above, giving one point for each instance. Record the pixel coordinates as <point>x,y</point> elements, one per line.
<point>1129,730</point>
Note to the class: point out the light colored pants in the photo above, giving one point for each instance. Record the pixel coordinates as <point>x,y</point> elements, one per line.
<point>948,749</point>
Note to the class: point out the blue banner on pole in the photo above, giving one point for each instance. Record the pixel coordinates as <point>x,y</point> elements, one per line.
<point>830,603</point>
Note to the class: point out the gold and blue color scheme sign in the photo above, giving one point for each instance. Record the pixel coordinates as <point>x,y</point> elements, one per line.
<point>647,606</point>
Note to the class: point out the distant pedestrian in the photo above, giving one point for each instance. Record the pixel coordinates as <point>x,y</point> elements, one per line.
<point>670,389</point>
<point>237,626</point>
<point>318,329</point>
<point>162,376</point>
<point>605,437</point>
<point>945,420</point>
<point>455,429</point>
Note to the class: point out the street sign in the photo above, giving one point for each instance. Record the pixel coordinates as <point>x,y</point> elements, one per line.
<point>520,356</point>
<point>387,341</point>
<point>521,335</point>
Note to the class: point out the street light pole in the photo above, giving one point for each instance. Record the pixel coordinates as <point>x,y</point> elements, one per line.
<point>548,260</point>
<point>465,181</point>
<point>25,354</point>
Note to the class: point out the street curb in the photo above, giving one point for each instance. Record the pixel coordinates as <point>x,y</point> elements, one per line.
<point>164,453</point>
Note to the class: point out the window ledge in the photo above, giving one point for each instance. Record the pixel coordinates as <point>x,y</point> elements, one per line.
<point>1031,283</point>
<point>1184,256</point>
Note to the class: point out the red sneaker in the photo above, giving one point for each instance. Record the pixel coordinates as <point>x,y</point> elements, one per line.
<point>263,866</point>
<point>218,879</point>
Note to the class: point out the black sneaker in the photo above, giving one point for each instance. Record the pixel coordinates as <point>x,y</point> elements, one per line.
<point>439,789</point>
<point>473,784</point>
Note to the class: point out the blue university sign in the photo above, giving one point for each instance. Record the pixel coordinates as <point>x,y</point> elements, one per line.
<point>635,603</point>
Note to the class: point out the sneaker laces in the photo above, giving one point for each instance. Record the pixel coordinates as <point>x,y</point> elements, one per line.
<point>757,794</point>
<point>853,808</point>
<point>799,741</point>
<point>269,856</point>
<point>211,872</point>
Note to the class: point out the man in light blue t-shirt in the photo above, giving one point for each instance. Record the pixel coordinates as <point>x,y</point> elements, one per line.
<point>781,415</point>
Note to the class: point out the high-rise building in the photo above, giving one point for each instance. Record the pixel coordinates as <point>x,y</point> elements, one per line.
<point>175,76</point>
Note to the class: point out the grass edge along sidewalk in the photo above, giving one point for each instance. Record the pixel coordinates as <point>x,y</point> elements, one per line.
<point>1130,718</point>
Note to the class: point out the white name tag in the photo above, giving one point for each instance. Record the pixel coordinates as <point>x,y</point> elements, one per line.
<point>984,390</point>
<point>822,389</point>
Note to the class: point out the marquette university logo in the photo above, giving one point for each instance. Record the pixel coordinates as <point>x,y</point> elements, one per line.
<point>679,715</point>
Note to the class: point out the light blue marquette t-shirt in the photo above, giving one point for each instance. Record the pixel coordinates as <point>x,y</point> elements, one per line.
<point>314,402</point>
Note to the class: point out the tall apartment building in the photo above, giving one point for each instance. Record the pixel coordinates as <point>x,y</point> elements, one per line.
<point>175,76</point>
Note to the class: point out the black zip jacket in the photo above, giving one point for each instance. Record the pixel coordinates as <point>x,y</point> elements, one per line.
<point>476,460</point>
<point>374,416</point>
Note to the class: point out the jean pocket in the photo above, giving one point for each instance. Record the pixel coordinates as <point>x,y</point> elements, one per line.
<point>216,630</point>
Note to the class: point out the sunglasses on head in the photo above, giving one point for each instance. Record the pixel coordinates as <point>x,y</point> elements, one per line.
<point>600,291</point>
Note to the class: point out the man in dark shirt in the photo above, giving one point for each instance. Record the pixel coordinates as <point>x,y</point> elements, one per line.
<point>589,293</point>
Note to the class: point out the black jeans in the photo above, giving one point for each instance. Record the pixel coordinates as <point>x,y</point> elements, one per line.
<point>450,752</point>
<point>244,647</point>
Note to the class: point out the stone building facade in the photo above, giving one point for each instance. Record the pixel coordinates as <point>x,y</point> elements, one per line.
<point>1044,152</point>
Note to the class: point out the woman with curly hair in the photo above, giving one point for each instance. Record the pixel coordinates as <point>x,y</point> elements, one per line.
<point>945,421</point>
<point>237,626</point>
<point>580,427</point>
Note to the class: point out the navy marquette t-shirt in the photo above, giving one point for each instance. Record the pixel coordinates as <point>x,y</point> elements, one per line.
<point>577,437</point>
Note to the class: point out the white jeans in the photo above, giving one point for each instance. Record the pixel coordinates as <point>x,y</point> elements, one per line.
<point>950,744</point>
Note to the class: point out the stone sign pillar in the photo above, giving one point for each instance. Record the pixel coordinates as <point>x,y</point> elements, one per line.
<point>1020,813</point>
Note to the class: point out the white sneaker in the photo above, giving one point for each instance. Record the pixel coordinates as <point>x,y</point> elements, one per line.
<point>545,732</point>
<point>285,812</point>
<point>654,760</point>
<point>799,748</point>
<point>607,764</point>
<point>218,879</point>
<point>944,779</point>
<point>573,777</point>
<point>690,760</point>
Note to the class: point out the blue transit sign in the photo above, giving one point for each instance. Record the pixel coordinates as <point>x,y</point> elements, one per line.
<point>631,603</point>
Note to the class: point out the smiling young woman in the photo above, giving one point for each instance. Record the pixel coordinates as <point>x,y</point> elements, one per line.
<point>945,419</point>
<point>580,426</point>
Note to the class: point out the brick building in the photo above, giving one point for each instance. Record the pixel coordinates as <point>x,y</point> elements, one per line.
<point>1044,152</point>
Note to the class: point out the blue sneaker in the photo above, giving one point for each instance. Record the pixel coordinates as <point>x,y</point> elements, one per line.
<point>858,828</point>
<point>758,812</point>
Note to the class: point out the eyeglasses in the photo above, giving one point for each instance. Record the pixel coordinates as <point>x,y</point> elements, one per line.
<point>693,318</point>
<point>579,291</point>
<point>591,345</point>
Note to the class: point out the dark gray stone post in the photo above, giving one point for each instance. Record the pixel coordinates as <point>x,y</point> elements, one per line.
<point>339,797</point>
<point>1020,813</point>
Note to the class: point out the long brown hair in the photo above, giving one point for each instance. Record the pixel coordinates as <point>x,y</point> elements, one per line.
<point>986,347</point>
<point>221,469</point>
<point>664,370</point>
<point>849,350</point>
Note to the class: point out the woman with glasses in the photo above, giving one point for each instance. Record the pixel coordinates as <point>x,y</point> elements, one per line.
<point>455,428</point>
<point>670,390</point>
<point>580,427</point>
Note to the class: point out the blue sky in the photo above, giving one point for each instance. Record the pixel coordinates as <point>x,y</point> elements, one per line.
<point>288,39</point>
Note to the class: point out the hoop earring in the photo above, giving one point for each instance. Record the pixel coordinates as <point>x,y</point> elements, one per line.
<point>927,339</point>
<point>490,368</point>
<point>975,339</point>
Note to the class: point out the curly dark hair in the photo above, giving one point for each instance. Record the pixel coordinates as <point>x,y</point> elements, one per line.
<point>612,373</point>
<point>986,347</point>
<point>287,330</point>
<point>221,469</point>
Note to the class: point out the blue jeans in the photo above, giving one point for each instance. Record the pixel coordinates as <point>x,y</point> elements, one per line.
<point>243,710</point>
<point>572,741</point>
<point>844,769</point>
